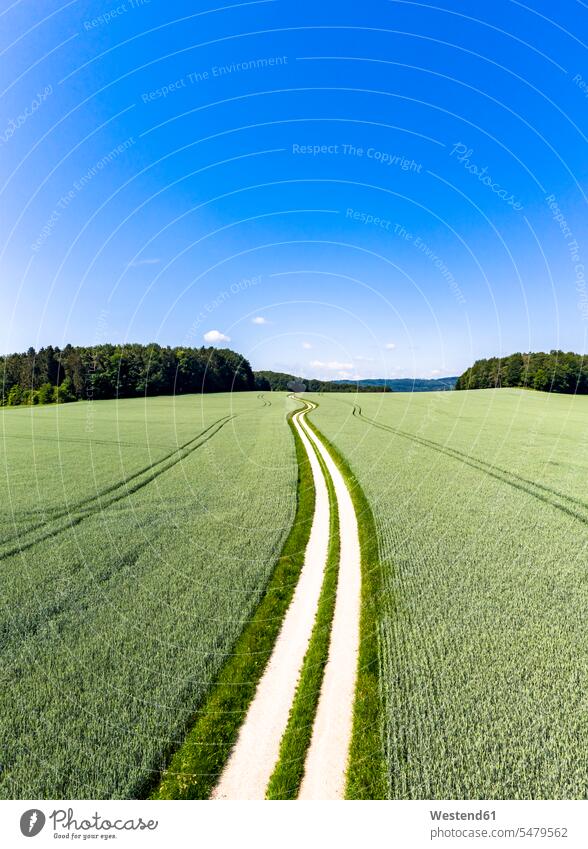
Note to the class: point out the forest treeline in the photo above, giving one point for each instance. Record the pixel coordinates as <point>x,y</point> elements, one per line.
<point>119,371</point>
<point>98,372</point>
<point>557,371</point>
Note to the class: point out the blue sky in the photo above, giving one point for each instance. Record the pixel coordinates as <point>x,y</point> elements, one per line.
<point>375,189</point>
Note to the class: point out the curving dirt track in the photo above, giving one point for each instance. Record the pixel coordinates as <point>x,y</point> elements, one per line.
<point>254,756</point>
<point>249,768</point>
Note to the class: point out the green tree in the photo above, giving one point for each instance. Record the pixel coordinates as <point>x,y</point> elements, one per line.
<point>541,380</point>
<point>513,370</point>
<point>64,392</point>
<point>29,396</point>
<point>15,396</point>
<point>45,393</point>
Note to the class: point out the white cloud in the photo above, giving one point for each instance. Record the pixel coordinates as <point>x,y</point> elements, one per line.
<point>389,346</point>
<point>307,346</point>
<point>435,372</point>
<point>214,336</point>
<point>332,365</point>
<point>137,262</point>
<point>259,319</point>
<point>361,359</point>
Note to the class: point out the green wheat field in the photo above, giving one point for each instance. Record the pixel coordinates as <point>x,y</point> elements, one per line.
<point>138,537</point>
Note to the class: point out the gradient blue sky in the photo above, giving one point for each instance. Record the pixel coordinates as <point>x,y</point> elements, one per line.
<point>209,216</point>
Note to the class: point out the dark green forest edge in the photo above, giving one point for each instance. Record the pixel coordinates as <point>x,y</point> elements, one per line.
<point>53,375</point>
<point>556,371</point>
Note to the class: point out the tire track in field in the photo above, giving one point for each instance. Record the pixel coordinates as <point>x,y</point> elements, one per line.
<point>537,490</point>
<point>59,513</point>
<point>55,513</point>
<point>151,473</point>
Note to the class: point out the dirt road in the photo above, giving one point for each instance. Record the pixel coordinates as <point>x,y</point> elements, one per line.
<point>253,759</point>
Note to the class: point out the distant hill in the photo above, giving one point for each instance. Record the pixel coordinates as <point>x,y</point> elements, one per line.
<point>279,381</point>
<point>408,384</point>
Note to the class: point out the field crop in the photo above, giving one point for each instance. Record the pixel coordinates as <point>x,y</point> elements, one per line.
<point>481,513</point>
<point>136,539</point>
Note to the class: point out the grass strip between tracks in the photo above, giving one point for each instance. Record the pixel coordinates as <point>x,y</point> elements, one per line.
<point>287,776</point>
<point>367,775</point>
<point>194,768</point>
